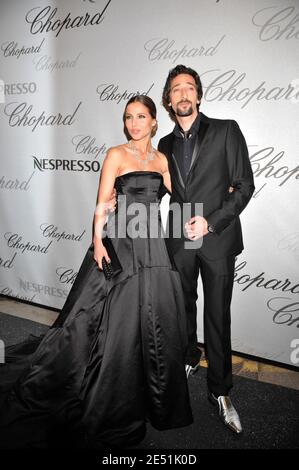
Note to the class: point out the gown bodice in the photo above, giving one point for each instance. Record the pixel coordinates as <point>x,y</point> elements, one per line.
<point>135,227</point>
<point>140,186</point>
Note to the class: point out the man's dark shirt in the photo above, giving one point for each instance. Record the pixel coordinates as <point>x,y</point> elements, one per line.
<point>183,147</point>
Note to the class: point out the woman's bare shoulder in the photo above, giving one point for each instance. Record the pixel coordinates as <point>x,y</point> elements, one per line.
<point>116,153</point>
<point>163,160</point>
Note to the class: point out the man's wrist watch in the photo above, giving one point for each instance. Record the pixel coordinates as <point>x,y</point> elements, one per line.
<point>211,228</point>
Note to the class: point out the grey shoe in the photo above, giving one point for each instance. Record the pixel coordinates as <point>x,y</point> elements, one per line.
<point>191,370</point>
<point>227,412</point>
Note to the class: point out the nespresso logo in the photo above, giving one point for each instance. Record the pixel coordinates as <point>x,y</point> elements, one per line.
<point>18,88</point>
<point>52,164</point>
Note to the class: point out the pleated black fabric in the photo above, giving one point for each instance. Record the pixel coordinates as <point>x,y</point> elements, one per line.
<point>114,358</point>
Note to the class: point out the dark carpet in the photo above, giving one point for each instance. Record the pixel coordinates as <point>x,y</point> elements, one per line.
<point>15,330</point>
<point>269,413</point>
<point>269,416</point>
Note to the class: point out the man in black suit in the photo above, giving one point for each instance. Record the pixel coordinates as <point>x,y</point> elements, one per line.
<point>207,157</point>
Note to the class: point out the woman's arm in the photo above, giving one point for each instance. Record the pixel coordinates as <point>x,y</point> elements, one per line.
<point>167,181</point>
<point>165,172</point>
<point>109,172</point>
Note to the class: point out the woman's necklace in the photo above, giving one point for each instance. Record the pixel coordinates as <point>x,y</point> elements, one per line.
<point>137,154</point>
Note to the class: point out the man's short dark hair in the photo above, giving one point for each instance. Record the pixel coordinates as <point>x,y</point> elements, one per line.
<point>178,70</point>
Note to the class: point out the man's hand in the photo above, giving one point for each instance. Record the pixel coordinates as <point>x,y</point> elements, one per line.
<point>196,227</point>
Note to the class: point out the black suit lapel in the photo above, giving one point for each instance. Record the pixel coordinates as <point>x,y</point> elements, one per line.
<point>204,125</point>
<point>173,166</point>
<point>178,173</point>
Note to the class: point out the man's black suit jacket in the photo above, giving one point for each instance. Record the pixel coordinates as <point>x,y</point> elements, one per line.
<point>220,160</point>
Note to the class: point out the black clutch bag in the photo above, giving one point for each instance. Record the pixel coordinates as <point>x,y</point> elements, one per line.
<point>114,267</point>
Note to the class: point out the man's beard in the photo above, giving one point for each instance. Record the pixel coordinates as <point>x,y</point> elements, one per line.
<point>185,112</point>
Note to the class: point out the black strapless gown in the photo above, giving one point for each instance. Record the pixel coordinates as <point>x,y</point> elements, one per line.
<point>114,358</point>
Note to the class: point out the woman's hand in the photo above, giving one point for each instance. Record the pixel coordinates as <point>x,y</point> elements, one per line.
<point>100,252</point>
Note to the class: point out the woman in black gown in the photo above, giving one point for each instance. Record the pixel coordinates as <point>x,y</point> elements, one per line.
<point>114,358</point>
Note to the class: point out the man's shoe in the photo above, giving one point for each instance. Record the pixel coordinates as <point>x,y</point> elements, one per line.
<point>227,412</point>
<point>191,370</point>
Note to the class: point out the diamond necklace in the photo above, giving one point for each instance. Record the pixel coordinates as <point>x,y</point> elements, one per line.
<point>137,155</point>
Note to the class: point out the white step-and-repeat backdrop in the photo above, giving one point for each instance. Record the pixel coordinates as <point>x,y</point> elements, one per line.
<point>67,69</point>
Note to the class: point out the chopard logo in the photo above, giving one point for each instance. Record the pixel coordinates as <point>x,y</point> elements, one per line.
<point>7,263</point>
<point>285,309</point>
<point>11,49</point>
<point>269,164</point>
<point>52,231</point>
<point>49,64</point>
<point>275,23</point>
<point>166,49</point>
<point>229,86</point>
<point>111,92</point>
<point>20,114</point>
<point>15,184</point>
<point>86,145</point>
<point>14,240</point>
<point>43,20</point>
<point>66,275</point>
